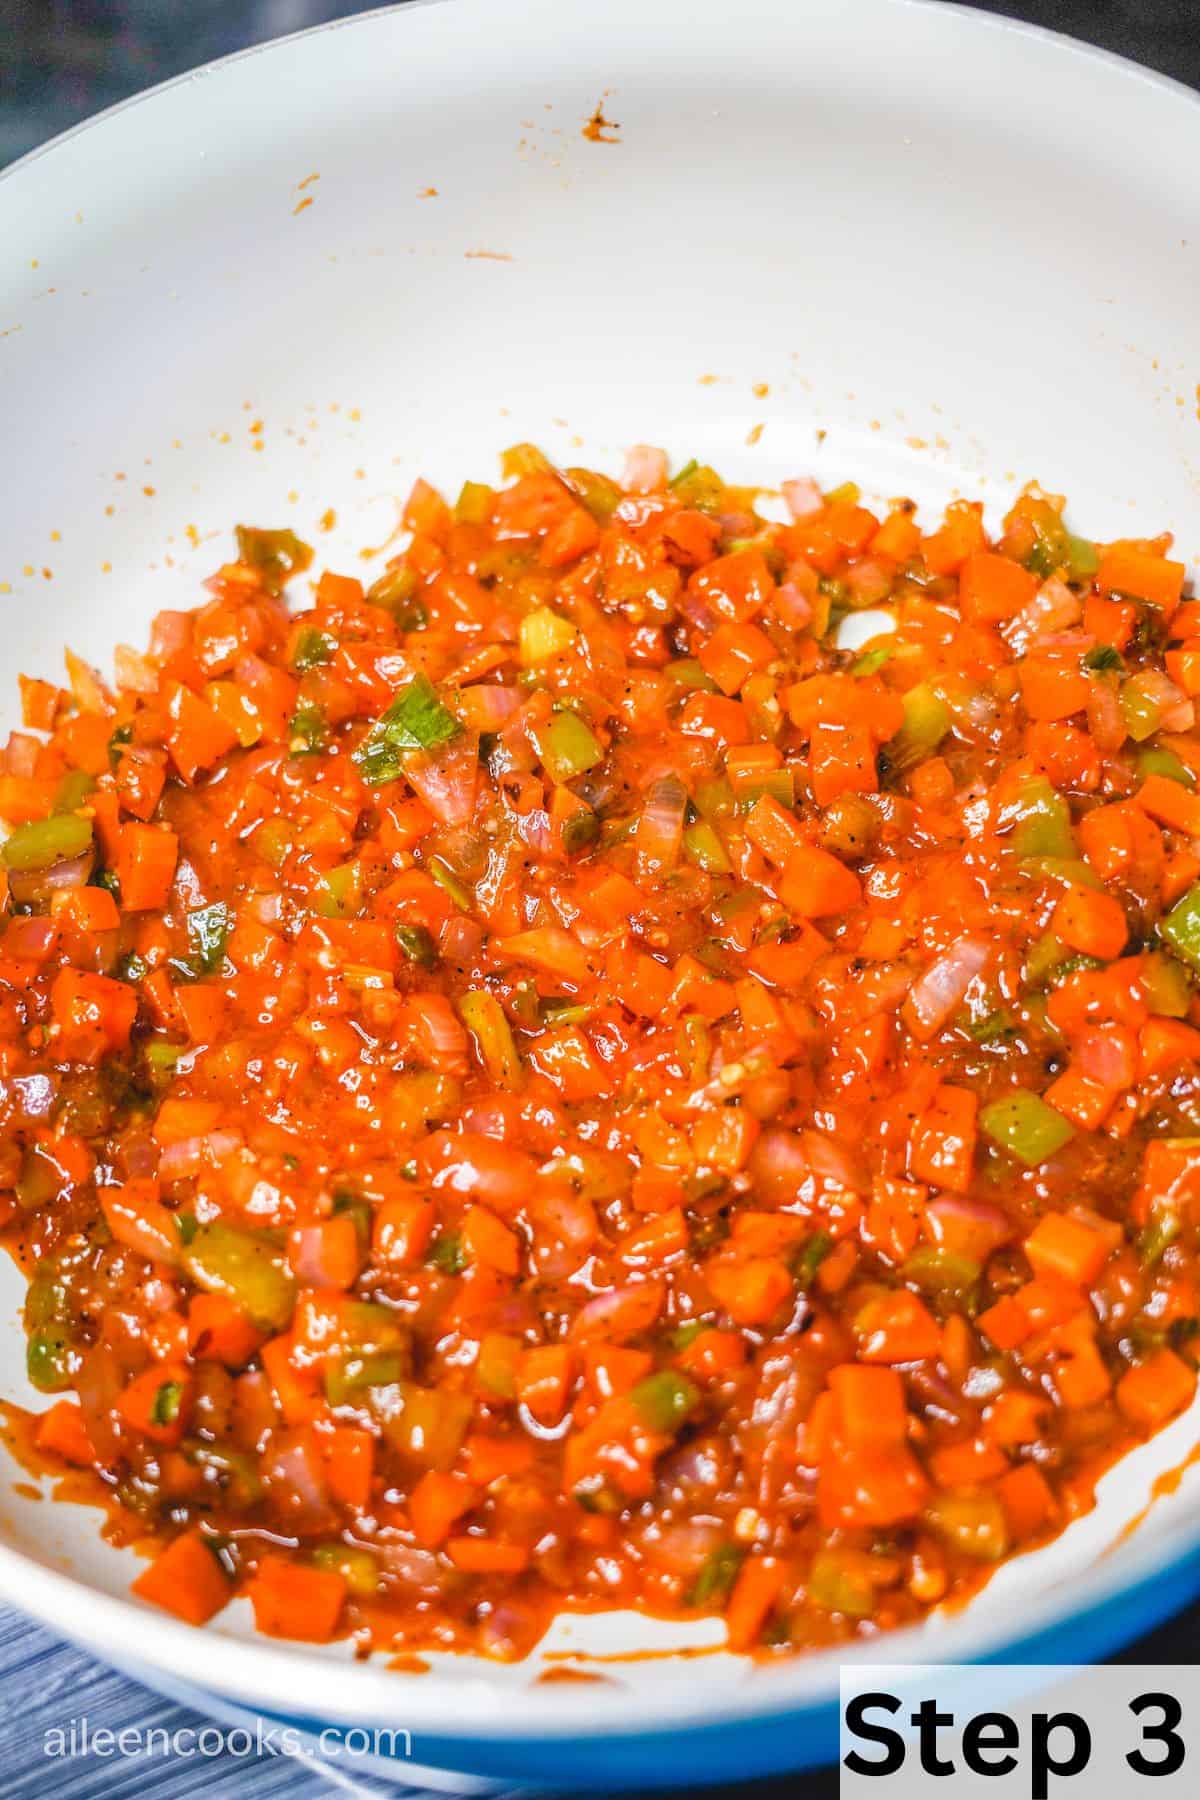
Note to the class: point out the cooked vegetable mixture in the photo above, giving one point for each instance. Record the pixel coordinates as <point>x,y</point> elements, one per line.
<point>549,1084</point>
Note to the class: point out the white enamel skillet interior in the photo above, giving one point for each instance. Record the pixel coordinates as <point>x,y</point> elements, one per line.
<point>924,248</point>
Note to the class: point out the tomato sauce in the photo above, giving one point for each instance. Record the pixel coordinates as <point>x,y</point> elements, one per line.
<point>548,1084</point>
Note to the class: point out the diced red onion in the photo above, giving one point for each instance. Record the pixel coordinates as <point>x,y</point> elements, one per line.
<point>660,827</point>
<point>970,1228</point>
<point>1106,726</point>
<point>940,990</point>
<point>295,1482</point>
<point>134,671</point>
<point>622,1312</point>
<point>803,496</point>
<point>1053,608</point>
<point>21,754</point>
<point>791,607</point>
<point>645,469</point>
<point>27,886</point>
<point>191,1156</point>
<point>447,783</point>
<point>1106,1057</point>
<point>470,1164</point>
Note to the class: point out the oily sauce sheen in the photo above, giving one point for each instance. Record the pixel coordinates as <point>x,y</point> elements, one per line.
<point>547,1084</point>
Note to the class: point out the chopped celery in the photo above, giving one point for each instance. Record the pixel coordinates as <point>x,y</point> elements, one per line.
<point>993,1027</point>
<point>350,1375</point>
<point>496,1364</point>
<point>779,783</point>
<point>850,825</point>
<point>699,486</point>
<point>339,891</point>
<point>395,593</point>
<point>1156,761</point>
<point>208,929</point>
<point>714,799</point>
<point>560,1013</point>
<point>717,1574</point>
<point>427,1424</point>
<point>48,1360</point>
<point>474,503</point>
<point>937,1270</point>
<point>1181,927</point>
<point>417,944</point>
<point>447,1253</point>
<point>810,1258</point>
<point>416,720</point>
<point>1103,659</point>
<point>568,747</point>
<point>872,660</point>
<point>357,1568</point>
<point>308,731</point>
<point>687,1333</point>
<point>524,459</point>
<point>276,555</point>
<point>448,881</point>
<point>665,1399</point>
<point>690,676</point>
<point>73,790</point>
<point>542,635</point>
<point>847,493</point>
<point>1071,870</point>
<point>595,493</point>
<point>838,1583</point>
<point>704,847</point>
<point>313,647</point>
<point>122,735</point>
<point>1025,1126</point>
<point>162,1056</point>
<point>246,1268</point>
<point>926,722</point>
<point>1166,986</point>
<point>974,1524</point>
<point>164,1408</point>
<point>1083,558</point>
<point>1043,822</point>
<point>234,1472</point>
<point>42,842</point>
<point>1160,1231</point>
<point>484,1018</point>
<point>1141,710</point>
<point>579,830</point>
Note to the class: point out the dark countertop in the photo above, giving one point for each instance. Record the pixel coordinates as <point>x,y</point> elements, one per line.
<point>61,60</point>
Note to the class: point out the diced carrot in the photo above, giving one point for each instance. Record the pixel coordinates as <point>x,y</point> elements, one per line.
<point>145,866</point>
<point>1109,621</point>
<point>972,1463</point>
<point>544,1376</point>
<point>1156,1389</point>
<point>942,1142</point>
<point>1027,1498</point>
<point>734,652</point>
<point>751,1292</point>
<point>1016,1417</point>
<point>1124,569</point>
<point>816,884</point>
<point>219,1331</point>
<point>774,830</point>
<point>62,1432</point>
<point>486,1240</point>
<point>992,588</point>
<point>434,1505</point>
<point>402,1228</point>
<point>348,1455</point>
<point>1081,1378</point>
<point>758,1586</point>
<point>1165,1043</point>
<point>186,1579</point>
<point>871,1406</point>
<point>1170,803</point>
<point>960,533</point>
<point>896,1328</point>
<point>484,1556</point>
<point>1005,1323</point>
<point>1052,688</point>
<point>292,1601</point>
